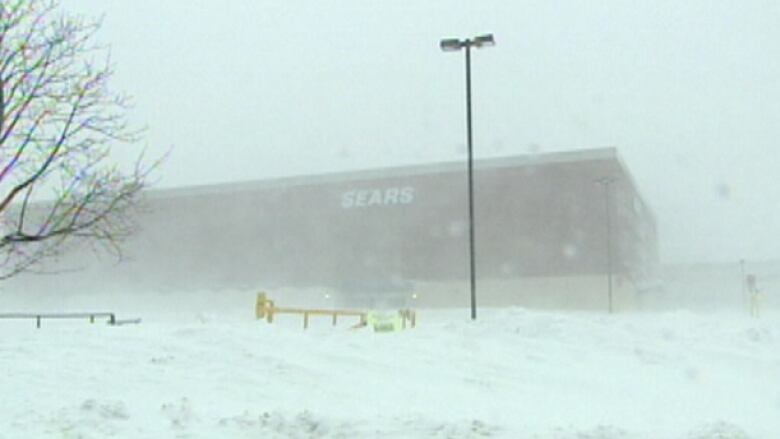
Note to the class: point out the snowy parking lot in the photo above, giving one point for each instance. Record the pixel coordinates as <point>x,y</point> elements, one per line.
<point>514,373</point>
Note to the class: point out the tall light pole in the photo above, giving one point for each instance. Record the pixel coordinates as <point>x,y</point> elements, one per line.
<point>606,182</point>
<point>452,45</point>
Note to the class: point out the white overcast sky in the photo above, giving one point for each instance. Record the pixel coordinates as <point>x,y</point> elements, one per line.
<point>689,92</point>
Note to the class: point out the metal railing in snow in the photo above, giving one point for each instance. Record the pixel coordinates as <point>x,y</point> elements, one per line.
<point>66,315</point>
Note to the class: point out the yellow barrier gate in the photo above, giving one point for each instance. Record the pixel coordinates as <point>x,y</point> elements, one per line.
<point>266,309</point>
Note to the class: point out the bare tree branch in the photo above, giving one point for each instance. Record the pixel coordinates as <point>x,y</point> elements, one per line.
<point>58,122</point>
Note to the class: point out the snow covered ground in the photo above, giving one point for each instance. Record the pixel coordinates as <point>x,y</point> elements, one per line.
<point>197,367</point>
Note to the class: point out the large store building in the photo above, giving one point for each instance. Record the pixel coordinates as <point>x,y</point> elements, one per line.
<point>400,235</point>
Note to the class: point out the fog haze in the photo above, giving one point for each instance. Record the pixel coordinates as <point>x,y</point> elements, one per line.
<point>688,92</point>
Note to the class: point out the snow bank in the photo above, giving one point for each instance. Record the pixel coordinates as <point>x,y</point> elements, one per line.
<point>195,372</point>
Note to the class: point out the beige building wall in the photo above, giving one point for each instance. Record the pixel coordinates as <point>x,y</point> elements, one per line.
<point>381,236</point>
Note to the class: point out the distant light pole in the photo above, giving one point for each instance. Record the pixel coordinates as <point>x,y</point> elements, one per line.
<point>453,45</point>
<point>606,182</point>
<point>745,298</point>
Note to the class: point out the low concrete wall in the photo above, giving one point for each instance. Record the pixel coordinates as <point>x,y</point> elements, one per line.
<point>565,292</point>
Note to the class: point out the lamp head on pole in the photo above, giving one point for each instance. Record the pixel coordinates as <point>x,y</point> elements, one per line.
<point>483,41</point>
<point>455,44</point>
<point>451,44</point>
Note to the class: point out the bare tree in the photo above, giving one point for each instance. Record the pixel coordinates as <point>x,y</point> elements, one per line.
<point>58,122</point>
